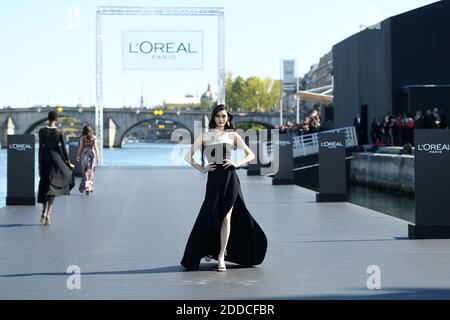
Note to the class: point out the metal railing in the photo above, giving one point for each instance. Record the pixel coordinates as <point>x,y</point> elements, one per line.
<point>308,144</point>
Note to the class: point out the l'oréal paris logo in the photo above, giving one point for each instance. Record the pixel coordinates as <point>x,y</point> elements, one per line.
<point>433,148</point>
<point>331,145</point>
<point>20,147</point>
<point>162,49</point>
<point>149,47</point>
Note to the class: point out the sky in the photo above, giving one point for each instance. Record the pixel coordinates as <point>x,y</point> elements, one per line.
<point>47,53</point>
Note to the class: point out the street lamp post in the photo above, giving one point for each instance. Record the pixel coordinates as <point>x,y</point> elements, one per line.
<point>281,109</point>
<point>298,101</point>
<point>257,101</point>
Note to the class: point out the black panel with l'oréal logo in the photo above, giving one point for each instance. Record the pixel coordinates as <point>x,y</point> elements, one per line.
<point>254,169</point>
<point>20,170</point>
<point>285,174</point>
<point>432,180</point>
<point>332,168</point>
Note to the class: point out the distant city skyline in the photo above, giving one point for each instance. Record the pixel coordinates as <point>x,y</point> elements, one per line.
<point>48,52</point>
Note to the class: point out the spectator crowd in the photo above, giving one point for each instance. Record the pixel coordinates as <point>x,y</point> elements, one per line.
<point>399,130</point>
<point>311,124</point>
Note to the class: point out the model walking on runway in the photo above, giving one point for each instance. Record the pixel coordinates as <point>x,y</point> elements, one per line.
<point>55,170</point>
<point>224,230</point>
<point>88,155</point>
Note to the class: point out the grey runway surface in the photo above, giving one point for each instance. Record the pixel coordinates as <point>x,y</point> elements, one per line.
<point>129,236</point>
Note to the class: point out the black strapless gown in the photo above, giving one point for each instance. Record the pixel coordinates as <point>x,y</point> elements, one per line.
<point>247,244</point>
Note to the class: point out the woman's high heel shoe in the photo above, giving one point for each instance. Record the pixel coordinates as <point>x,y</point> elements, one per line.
<point>47,220</point>
<point>43,217</point>
<point>208,258</point>
<point>221,267</point>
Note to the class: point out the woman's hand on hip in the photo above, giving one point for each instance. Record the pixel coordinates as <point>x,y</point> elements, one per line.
<point>228,164</point>
<point>210,167</point>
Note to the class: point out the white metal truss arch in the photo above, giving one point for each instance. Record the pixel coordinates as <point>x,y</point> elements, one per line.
<point>159,11</point>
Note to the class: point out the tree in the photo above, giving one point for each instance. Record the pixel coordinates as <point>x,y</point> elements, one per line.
<point>205,104</point>
<point>233,91</point>
<point>253,94</point>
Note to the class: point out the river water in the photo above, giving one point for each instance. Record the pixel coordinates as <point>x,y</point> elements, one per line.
<point>132,154</point>
<point>159,154</point>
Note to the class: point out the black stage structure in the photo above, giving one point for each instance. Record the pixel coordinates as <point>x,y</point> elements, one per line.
<point>400,65</point>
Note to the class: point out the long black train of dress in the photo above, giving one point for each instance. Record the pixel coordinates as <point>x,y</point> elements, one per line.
<point>247,244</point>
<point>56,176</point>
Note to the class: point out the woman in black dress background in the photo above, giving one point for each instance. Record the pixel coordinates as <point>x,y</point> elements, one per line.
<point>55,170</point>
<point>224,230</point>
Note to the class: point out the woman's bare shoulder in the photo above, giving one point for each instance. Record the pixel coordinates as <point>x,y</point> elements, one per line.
<point>206,136</point>
<point>234,135</point>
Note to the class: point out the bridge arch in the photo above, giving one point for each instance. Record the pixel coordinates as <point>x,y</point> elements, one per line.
<point>123,133</point>
<point>34,125</point>
<point>42,121</point>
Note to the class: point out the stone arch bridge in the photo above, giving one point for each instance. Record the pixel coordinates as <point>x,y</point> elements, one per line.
<point>118,122</point>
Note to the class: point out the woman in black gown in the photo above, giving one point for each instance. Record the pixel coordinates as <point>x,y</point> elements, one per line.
<point>55,170</point>
<point>224,230</point>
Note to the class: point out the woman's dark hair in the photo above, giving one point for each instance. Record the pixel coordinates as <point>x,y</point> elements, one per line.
<point>52,116</point>
<point>88,132</point>
<point>221,107</point>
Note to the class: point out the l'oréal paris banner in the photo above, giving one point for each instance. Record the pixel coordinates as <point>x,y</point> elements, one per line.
<point>162,50</point>
<point>432,176</point>
<point>289,71</point>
